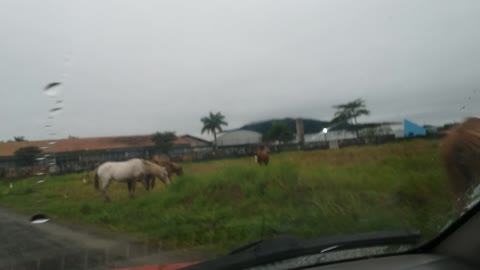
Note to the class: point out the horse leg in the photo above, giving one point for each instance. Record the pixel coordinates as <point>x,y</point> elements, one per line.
<point>104,191</point>
<point>133,187</point>
<point>129,185</point>
<point>152,182</point>
<point>145,182</point>
<point>132,191</point>
<point>148,182</point>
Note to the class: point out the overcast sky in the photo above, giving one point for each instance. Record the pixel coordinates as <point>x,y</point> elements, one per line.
<point>135,67</point>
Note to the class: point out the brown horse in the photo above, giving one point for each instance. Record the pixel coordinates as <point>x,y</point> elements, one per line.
<point>172,168</point>
<point>261,157</point>
<point>461,155</point>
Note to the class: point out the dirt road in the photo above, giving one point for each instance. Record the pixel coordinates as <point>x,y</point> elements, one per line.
<point>54,246</point>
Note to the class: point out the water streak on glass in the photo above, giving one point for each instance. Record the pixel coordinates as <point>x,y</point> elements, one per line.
<point>52,89</point>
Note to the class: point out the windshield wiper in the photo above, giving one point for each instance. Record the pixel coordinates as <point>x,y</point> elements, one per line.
<point>285,247</point>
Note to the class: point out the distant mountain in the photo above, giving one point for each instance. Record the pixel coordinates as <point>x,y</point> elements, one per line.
<point>309,125</point>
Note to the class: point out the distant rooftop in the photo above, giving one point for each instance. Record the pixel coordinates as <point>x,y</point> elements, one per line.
<point>87,144</point>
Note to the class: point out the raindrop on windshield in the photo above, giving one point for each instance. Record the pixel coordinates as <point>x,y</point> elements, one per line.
<point>39,218</point>
<point>51,142</point>
<point>462,109</point>
<point>44,147</point>
<point>41,181</point>
<point>40,158</point>
<point>11,185</point>
<point>55,111</point>
<point>52,89</point>
<point>39,173</point>
<point>59,102</point>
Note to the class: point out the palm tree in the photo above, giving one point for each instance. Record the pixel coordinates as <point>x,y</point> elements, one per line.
<point>19,138</point>
<point>349,112</point>
<point>213,123</point>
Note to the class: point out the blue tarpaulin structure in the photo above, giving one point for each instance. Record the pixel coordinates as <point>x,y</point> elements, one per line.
<point>410,129</point>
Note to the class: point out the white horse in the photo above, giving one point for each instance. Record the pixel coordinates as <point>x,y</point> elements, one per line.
<point>127,171</point>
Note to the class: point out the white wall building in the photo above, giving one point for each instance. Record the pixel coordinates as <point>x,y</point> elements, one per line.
<point>238,137</point>
<point>398,130</point>
<point>334,135</point>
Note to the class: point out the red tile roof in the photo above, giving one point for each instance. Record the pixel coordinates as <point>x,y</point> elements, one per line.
<point>85,144</point>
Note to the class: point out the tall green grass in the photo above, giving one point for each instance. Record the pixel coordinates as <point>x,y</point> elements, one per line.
<point>223,204</point>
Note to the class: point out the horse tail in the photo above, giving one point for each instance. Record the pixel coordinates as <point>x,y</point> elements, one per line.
<point>97,184</point>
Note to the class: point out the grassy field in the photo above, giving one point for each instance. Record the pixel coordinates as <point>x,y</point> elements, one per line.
<point>226,203</point>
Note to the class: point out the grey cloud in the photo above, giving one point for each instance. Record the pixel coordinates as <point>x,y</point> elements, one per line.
<point>132,68</point>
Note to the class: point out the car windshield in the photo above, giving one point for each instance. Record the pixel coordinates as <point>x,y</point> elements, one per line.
<point>149,132</point>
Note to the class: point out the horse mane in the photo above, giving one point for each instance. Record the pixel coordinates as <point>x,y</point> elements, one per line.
<point>170,166</point>
<point>163,163</point>
<point>461,155</point>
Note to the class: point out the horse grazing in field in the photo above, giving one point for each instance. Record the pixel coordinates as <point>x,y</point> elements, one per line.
<point>128,172</point>
<point>461,155</point>
<point>172,168</point>
<point>261,157</point>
